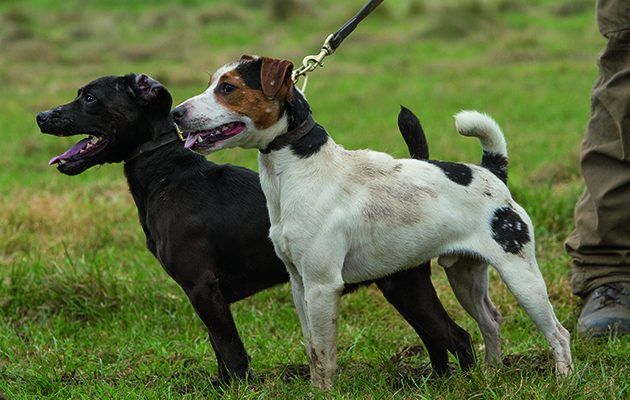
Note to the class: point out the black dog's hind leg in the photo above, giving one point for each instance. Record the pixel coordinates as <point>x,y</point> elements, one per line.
<point>224,374</point>
<point>214,311</point>
<point>412,294</point>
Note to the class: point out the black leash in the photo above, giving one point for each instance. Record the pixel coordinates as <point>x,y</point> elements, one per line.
<point>310,63</point>
<point>351,25</point>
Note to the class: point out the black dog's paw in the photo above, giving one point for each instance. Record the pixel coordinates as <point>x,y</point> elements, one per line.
<point>225,379</point>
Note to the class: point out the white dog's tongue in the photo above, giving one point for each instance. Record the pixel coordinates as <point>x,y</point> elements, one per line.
<point>74,150</point>
<point>190,140</point>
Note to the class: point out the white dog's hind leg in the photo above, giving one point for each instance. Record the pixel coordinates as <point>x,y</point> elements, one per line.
<point>469,280</point>
<point>523,278</point>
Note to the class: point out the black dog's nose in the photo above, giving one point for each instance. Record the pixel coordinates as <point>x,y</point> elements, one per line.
<point>178,113</point>
<point>43,116</point>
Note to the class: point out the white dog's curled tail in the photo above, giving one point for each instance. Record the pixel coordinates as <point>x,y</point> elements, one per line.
<point>482,126</point>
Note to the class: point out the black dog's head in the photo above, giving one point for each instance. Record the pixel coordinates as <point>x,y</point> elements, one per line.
<point>118,113</point>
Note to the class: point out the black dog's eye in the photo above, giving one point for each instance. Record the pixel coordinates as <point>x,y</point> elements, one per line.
<point>227,88</point>
<point>88,98</point>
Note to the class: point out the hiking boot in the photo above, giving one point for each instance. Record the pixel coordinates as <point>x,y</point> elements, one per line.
<point>606,310</point>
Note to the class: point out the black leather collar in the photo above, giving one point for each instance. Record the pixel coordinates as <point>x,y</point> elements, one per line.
<point>291,136</point>
<point>152,145</point>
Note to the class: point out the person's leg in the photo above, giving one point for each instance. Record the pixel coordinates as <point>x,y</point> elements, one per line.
<point>600,243</point>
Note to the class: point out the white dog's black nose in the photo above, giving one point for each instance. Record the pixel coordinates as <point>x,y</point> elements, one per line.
<point>178,113</point>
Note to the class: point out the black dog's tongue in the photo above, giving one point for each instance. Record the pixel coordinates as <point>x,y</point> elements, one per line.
<point>72,151</point>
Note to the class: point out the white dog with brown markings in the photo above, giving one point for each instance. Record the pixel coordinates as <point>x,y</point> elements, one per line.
<point>340,216</point>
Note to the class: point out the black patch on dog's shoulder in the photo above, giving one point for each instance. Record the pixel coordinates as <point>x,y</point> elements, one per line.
<point>509,230</point>
<point>310,143</point>
<point>250,72</point>
<point>457,172</point>
<point>497,164</point>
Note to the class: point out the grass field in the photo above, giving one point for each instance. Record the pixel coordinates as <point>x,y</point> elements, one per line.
<point>87,312</point>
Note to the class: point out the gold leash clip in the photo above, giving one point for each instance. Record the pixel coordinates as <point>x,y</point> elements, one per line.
<point>310,63</point>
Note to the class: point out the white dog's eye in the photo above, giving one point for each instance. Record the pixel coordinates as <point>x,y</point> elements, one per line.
<point>227,88</point>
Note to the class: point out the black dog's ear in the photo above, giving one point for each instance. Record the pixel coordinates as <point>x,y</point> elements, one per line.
<point>149,92</point>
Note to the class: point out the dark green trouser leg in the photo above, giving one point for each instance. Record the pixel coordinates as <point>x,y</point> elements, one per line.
<point>600,243</point>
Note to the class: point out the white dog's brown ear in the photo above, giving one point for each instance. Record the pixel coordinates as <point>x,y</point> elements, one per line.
<point>249,57</point>
<point>275,75</point>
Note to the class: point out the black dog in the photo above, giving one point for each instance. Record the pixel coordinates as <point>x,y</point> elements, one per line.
<point>207,224</point>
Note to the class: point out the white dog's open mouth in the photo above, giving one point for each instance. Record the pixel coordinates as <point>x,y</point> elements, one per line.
<point>85,148</point>
<point>207,138</point>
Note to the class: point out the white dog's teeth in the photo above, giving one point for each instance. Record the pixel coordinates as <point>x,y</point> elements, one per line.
<point>199,139</point>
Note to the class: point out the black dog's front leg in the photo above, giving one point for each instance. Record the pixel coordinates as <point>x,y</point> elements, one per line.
<point>214,311</point>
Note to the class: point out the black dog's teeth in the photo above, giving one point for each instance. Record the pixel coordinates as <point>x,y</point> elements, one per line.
<point>93,140</point>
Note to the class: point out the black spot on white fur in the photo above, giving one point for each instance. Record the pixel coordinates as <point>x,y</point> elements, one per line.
<point>509,230</point>
<point>496,163</point>
<point>457,172</point>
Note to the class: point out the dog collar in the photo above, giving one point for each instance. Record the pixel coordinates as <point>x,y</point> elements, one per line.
<point>148,147</point>
<point>291,136</point>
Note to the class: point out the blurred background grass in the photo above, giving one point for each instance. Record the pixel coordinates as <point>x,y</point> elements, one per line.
<point>87,312</point>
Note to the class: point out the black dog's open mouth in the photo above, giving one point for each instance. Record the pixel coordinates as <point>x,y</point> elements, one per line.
<point>85,148</point>
<point>211,136</point>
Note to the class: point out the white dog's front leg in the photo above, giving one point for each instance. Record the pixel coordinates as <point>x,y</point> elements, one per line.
<point>322,312</point>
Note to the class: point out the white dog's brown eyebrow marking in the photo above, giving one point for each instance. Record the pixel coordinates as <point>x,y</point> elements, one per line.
<point>246,100</point>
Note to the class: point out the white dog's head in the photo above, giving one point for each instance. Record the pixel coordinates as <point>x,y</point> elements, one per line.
<point>247,104</point>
